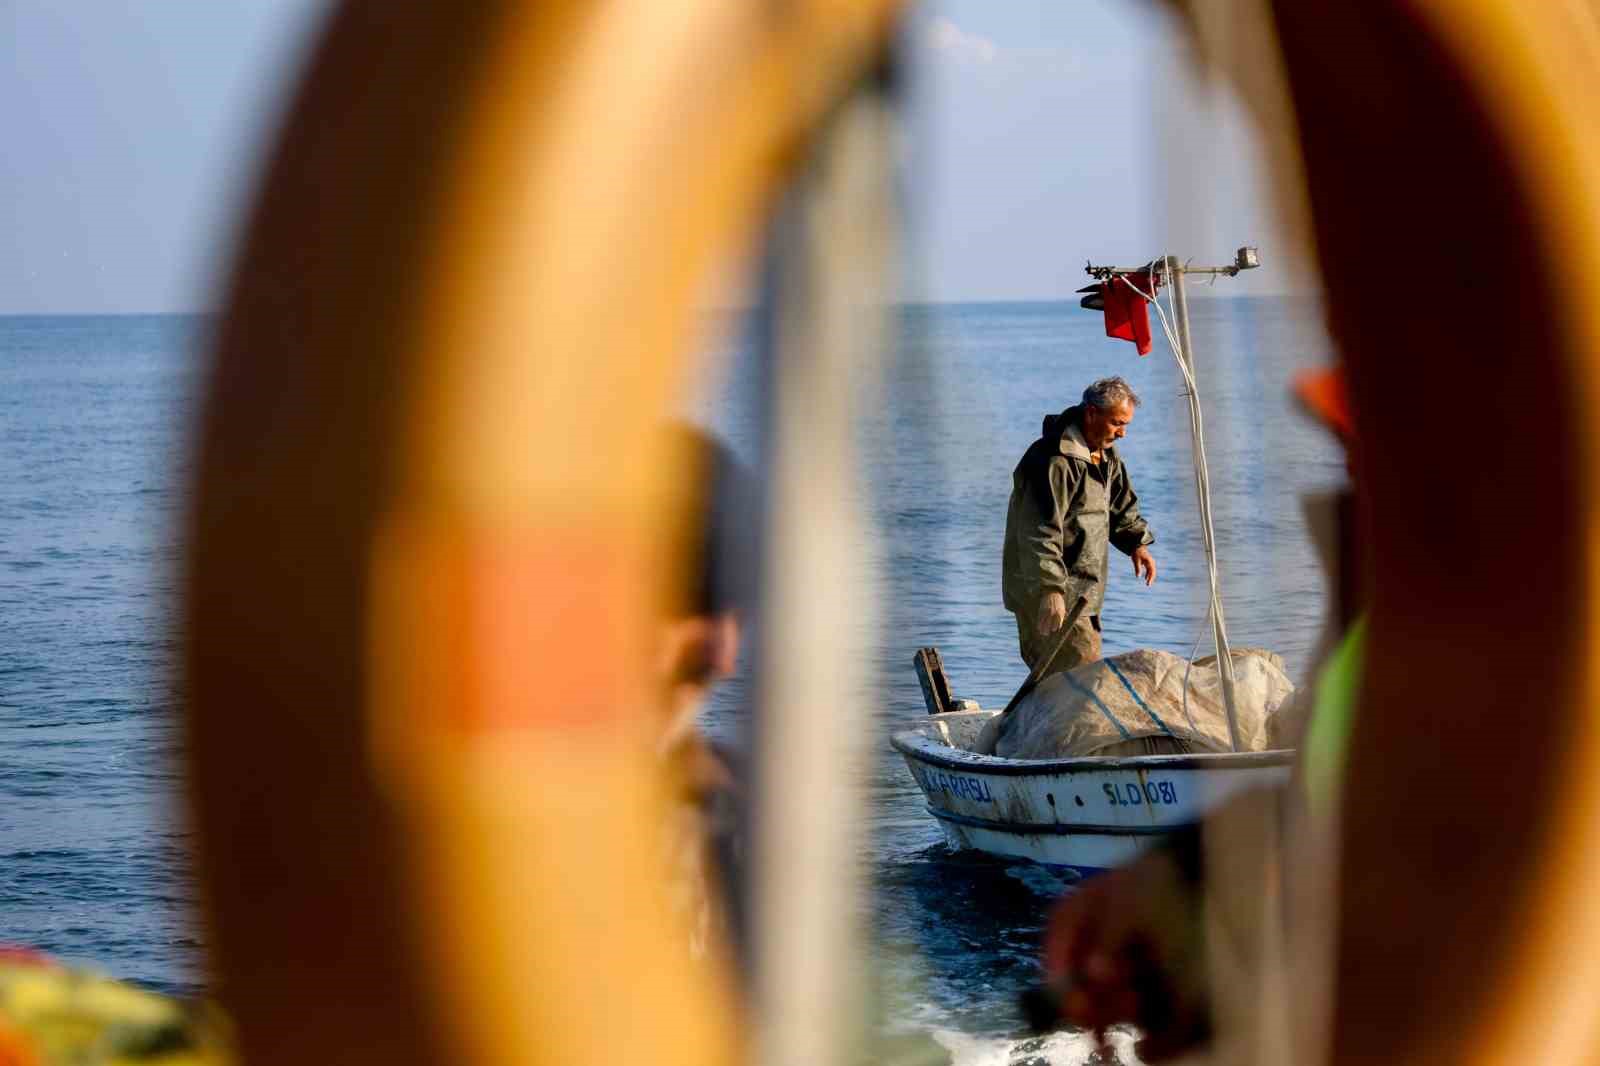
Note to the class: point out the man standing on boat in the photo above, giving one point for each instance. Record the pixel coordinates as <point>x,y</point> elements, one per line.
<point>1071,500</point>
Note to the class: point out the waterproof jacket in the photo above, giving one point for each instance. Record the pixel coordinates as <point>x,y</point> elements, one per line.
<point>1065,514</point>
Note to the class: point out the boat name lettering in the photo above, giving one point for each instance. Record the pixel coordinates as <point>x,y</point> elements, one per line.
<point>961,787</point>
<point>1132,795</point>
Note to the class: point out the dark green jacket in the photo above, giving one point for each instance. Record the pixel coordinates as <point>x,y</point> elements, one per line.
<point>1065,514</point>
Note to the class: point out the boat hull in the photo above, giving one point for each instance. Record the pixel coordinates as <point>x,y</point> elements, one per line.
<point>1079,816</point>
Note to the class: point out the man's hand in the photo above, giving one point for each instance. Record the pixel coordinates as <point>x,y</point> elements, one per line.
<point>1144,565</point>
<point>1052,613</point>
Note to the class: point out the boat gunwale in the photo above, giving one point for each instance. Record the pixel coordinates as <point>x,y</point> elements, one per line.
<point>916,744</point>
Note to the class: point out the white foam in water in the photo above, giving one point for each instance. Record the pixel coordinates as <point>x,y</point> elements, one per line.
<point>1057,1049</point>
<point>1041,881</point>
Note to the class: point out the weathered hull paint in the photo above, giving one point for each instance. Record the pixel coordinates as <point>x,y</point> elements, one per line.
<point>1079,816</point>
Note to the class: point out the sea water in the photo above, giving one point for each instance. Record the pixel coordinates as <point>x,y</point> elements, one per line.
<point>95,417</point>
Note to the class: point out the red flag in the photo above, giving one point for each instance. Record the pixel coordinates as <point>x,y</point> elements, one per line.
<point>1127,316</point>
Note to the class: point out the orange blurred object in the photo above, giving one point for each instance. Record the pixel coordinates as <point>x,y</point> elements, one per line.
<point>1326,398</point>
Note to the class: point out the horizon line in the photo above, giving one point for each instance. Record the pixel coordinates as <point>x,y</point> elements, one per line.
<point>713,308</point>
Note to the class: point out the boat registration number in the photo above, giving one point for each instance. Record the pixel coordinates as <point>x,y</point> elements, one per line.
<point>1160,793</point>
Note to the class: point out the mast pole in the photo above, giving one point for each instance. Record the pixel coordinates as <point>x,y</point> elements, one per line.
<point>1219,626</point>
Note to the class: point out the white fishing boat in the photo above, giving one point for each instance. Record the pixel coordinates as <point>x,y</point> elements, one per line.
<point>1085,814</point>
<point>1079,816</point>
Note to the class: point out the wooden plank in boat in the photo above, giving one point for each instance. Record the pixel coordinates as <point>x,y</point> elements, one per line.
<point>935,685</point>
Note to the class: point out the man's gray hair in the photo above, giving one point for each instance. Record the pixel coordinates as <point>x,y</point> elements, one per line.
<point>1108,393</point>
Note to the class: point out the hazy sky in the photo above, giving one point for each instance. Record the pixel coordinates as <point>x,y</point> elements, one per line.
<point>1038,133</point>
<point>1043,135</point>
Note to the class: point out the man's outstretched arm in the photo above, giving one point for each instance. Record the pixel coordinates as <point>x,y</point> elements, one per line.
<point>1130,533</point>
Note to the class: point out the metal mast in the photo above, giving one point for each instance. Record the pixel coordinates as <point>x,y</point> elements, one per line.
<point>1183,352</point>
<point>1197,435</point>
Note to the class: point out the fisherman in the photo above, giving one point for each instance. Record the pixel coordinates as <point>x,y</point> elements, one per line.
<point>1070,501</point>
<point>1141,943</point>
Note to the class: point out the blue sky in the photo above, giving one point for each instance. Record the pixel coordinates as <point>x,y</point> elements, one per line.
<point>131,133</point>
<point>1038,134</point>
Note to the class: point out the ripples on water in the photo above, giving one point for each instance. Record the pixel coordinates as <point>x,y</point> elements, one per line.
<point>94,411</point>
<point>92,868</point>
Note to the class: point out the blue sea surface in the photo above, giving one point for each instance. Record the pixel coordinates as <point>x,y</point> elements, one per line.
<point>94,419</point>
<point>95,414</point>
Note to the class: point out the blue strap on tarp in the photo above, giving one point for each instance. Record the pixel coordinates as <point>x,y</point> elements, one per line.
<point>1075,683</point>
<point>1143,706</point>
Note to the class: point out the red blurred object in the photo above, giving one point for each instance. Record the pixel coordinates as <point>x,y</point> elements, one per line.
<point>17,955</point>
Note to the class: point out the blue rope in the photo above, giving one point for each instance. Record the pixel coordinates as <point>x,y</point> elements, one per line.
<point>1075,683</point>
<point>1145,707</point>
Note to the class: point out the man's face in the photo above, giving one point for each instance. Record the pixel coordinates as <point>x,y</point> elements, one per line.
<point>1104,427</point>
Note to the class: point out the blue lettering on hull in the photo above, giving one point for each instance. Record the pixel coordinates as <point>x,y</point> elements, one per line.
<point>1155,793</point>
<point>967,788</point>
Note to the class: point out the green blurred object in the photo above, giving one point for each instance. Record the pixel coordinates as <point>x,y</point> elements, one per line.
<point>1327,742</point>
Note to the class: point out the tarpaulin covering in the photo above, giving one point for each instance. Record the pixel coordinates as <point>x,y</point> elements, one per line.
<point>1133,704</point>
